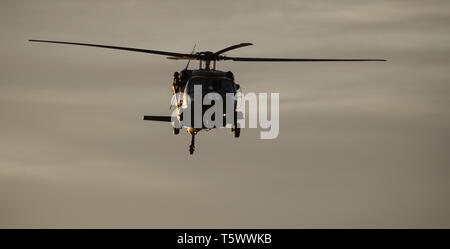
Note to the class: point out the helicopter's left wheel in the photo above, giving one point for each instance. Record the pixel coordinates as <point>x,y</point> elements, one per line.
<point>176,131</point>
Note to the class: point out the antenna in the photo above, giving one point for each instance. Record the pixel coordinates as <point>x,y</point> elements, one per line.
<point>187,65</point>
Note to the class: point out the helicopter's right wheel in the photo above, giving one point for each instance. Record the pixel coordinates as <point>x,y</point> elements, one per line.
<point>237,131</point>
<point>175,131</point>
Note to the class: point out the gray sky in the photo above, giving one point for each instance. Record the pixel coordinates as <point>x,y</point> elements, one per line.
<point>360,144</point>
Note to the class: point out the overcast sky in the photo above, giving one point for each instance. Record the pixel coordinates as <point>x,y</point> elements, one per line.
<point>360,144</point>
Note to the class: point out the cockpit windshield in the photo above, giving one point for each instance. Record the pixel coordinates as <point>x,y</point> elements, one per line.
<point>219,85</point>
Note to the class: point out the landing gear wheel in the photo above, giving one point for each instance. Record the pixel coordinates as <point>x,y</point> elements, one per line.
<point>176,131</point>
<point>237,131</point>
<point>192,146</point>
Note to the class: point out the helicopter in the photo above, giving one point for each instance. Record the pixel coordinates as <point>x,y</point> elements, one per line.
<point>206,77</point>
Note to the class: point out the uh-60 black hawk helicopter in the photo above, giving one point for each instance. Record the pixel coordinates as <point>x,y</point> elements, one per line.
<point>206,76</point>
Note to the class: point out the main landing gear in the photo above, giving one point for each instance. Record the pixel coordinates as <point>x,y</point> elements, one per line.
<point>236,131</point>
<point>192,146</point>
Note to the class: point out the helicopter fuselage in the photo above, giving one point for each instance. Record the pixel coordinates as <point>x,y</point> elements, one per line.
<point>209,88</point>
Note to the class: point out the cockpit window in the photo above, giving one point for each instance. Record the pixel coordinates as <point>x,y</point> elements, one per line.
<point>211,85</point>
<point>228,86</point>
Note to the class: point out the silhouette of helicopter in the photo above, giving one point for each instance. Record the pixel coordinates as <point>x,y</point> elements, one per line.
<point>207,77</point>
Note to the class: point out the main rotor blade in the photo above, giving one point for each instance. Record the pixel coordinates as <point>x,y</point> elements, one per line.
<point>232,47</point>
<point>292,59</point>
<point>181,58</point>
<point>119,48</point>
